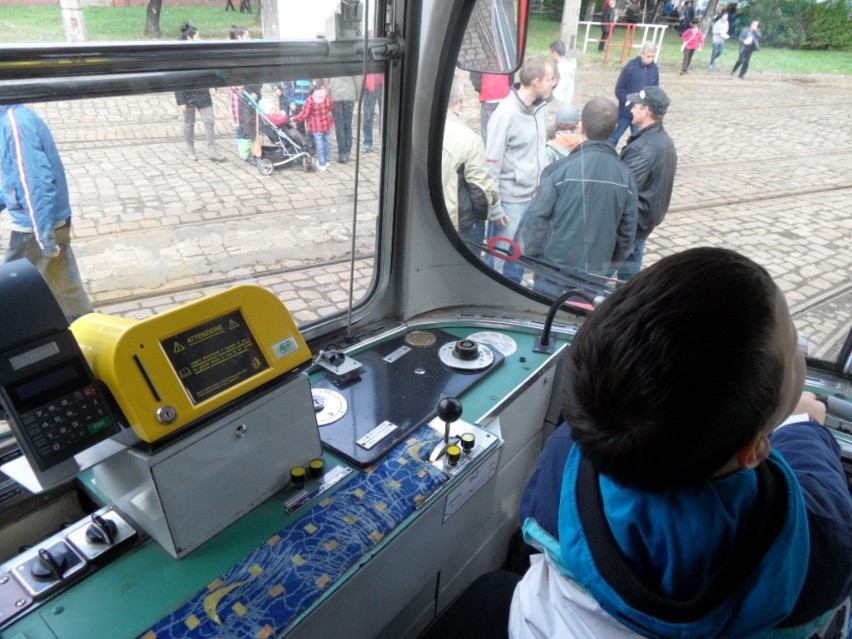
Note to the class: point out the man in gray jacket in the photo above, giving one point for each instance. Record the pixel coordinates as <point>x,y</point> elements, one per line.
<point>344,92</point>
<point>516,154</point>
<point>584,217</point>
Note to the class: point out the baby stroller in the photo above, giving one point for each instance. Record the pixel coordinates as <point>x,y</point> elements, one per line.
<point>288,145</point>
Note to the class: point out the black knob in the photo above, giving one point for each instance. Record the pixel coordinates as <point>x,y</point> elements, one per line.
<point>467,442</point>
<point>466,349</point>
<point>453,454</point>
<point>101,531</point>
<point>49,566</point>
<point>449,409</point>
<point>316,468</point>
<point>297,476</point>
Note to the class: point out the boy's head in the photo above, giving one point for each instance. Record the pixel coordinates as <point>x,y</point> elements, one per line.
<point>599,118</point>
<point>683,372</point>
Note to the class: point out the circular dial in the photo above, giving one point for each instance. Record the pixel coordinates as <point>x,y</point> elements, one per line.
<point>329,405</point>
<point>470,360</point>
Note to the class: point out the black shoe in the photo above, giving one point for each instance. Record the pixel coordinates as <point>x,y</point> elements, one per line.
<point>252,160</point>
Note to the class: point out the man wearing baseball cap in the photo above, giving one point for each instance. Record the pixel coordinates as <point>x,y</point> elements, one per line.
<point>651,157</point>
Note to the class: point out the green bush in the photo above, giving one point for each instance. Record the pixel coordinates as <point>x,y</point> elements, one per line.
<point>829,26</point>
<point>802,24</point>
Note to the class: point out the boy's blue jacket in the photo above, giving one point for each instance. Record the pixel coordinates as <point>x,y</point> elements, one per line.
<point>676,541</point>
<point>34,188</point>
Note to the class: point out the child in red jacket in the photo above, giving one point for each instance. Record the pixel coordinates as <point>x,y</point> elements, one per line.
<point>320,121</point>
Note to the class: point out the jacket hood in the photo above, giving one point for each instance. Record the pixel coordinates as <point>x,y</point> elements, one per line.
<point>657,533</point>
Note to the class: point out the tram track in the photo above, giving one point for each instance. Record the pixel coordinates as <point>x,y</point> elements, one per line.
<point>223,281</point>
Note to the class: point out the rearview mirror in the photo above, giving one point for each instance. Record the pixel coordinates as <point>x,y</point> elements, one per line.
<point>496,36</point>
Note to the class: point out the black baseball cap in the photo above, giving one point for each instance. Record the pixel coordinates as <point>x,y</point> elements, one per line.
<point>652,97</point>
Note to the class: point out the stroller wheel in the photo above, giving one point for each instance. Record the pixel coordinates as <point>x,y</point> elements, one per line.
<point>308,164</point>
<point>265,167</point>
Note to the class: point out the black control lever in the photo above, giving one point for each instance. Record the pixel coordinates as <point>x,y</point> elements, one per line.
<point>449,410</point>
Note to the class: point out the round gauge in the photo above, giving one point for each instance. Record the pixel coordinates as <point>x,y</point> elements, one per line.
<point>503,343</point>
<point>329,405</point>
<point>420,338</point>
<point>466,355</point>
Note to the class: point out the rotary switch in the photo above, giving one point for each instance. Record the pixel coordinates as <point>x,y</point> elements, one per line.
<point>101,530</point>
<point>50,565</point>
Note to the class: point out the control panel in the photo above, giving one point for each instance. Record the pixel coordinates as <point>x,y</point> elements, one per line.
<point>59,561</point>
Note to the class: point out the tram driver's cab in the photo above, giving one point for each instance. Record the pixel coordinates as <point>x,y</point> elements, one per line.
<point>307,404</point>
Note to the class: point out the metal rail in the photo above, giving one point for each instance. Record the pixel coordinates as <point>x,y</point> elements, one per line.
<point>38,73</point>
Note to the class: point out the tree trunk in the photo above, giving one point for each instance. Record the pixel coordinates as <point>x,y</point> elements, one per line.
<point>152,23</point>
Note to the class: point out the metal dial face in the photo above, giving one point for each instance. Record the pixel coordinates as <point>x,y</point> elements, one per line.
<point>503,343</point>
<point>483,360</point>
<point>334,405</point>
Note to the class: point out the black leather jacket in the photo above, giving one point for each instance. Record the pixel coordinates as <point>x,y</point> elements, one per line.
<point>651,156</point>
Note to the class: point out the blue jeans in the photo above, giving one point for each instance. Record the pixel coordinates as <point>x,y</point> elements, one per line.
<point>343,126</point>
<point>60,272</point>
<point>516,211</point>
<point>633,264</point>
<point>624,121</point>
<point>370,100</point>
<point>717,51</point>
<point>323,144</point>
<point>475,232</point>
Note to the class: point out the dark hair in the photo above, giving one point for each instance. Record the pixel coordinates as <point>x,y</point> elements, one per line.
<point>237,32</point>
<point>599,118</point>
<point>557,46</point>
<point>187,31</point>
<point>668,379</point>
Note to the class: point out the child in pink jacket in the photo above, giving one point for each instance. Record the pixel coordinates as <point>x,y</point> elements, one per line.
<point>693,38</point>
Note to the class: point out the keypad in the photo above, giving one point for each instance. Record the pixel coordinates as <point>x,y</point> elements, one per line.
<point>66,421</point>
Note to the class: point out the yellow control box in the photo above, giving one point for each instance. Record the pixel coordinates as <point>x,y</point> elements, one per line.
<point>171,369</point>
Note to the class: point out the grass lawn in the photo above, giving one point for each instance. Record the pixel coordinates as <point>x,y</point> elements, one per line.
<point>44,24</point>
<point>543,31</point>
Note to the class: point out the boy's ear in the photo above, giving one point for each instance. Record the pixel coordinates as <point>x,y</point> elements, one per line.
<point>752,454</point>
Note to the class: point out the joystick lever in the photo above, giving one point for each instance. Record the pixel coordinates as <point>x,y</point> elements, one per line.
<point>449,410</point>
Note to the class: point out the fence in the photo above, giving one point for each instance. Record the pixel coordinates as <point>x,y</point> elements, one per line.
<point>649,33</point>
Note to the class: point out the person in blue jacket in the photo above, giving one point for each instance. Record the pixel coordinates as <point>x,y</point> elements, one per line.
<point>642,71</point>
<point>34,190</point>
<point>693,492</point>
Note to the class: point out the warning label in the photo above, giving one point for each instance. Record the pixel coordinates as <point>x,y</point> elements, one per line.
<point>214,356</point>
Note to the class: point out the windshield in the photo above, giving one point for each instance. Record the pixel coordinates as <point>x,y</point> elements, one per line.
<point>262,169</point>
<point>755,172</point>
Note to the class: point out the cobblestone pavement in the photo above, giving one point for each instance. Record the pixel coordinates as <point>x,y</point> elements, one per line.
<point>762,170</point>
